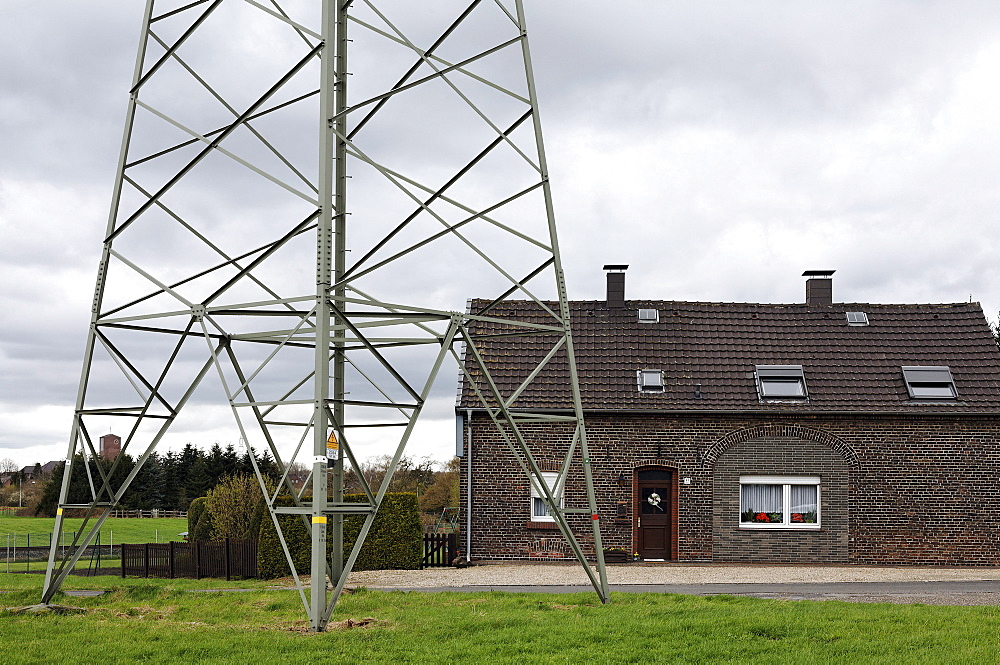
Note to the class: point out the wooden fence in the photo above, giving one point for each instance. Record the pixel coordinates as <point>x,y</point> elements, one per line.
<point>154,513</point>
<point>227,558</point>
<point>440,549</point>
<point>238,558</point>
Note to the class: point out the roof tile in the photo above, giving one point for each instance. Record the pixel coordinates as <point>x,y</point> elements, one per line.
<point>847,368</point>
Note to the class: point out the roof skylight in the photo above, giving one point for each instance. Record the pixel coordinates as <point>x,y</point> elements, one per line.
<point>857,319</point>
<point>649,315</point>
<point>650,380</point>
<point>781,382</point>
<point>929,382</point>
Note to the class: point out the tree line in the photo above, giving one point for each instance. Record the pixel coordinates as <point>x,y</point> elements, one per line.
<point>170,481</point>
<point>173,480</point>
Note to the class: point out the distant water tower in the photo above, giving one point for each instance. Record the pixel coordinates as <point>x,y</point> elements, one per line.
<point>111,445</point>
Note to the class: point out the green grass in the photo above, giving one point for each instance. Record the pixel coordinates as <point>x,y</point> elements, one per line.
<point>121,530</point>
<point>39,565</point>
<point>161,621</point>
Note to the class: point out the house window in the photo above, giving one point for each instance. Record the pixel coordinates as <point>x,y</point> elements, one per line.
<point>539,511</point>
<point>650,380</point>
<point>781,382</point>
<point>779,502</point>
<point>929,383</point>
<point>649,315</point>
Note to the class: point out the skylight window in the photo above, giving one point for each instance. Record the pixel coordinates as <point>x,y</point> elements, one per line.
<point>857,319</point>
<point>649,315</point>
<point>781,382</point>
<point>924,382</point>
<point>650,380</point>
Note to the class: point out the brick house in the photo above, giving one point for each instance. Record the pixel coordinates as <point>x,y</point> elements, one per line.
<point>816,432</point>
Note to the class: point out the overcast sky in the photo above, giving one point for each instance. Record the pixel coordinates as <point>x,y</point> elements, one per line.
<point>718,148</point>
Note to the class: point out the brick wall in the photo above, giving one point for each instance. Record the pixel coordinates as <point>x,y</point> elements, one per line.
<point>778,457</point>
<point>921,490</point>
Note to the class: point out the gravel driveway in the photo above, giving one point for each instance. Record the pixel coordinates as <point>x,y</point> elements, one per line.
<point>928,585</point>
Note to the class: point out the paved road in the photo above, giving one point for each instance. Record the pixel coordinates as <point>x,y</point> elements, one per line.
<point>927,593</point>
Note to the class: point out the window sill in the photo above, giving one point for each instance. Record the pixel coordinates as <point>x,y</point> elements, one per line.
<point>779,527</point>
<point>542,526</point>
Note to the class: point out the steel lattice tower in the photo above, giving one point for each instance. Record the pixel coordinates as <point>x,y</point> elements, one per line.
<point>234,260</point>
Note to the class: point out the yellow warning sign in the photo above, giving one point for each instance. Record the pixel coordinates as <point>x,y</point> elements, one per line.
<point>332,446</point>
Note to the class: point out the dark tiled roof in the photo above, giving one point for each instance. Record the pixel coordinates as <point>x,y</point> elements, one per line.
<point>847,368</point>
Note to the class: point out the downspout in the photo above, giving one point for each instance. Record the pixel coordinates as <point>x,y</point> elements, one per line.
<point>468,486</point>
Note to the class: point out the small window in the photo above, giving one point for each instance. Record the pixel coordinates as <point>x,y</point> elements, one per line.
<point>540,511</point>
<point>649,315</point>
<point>929,382</point>
<point>779,502</point>
<point>857,319</point>
<point>781,382</point>
<point>650,380</point>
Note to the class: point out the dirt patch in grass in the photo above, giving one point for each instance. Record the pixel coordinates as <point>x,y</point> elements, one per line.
<point>346,624</point>
<point>46,609</point>
<point>140,613</point>
<point>367,622</point>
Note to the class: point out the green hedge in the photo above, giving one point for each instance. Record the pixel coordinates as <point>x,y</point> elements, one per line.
<point>199,520</point>
<point>395,540</point>
<point>271,560</point>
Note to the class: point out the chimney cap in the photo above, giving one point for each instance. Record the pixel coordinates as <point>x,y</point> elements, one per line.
<point>818,273</point>
<point>616,266</point>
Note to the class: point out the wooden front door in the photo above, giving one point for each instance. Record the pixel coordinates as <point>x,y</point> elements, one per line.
<point>655,513</point>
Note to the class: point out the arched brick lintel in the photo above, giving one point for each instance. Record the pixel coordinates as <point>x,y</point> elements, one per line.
<point>653,463</point>
<point>781,432</point>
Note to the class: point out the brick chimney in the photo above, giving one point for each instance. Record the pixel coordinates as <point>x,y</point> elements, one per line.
<point>616,285</point>
<point>819,287</point>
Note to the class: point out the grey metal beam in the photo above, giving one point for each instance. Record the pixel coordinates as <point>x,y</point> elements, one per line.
<point>436,75</point>
<point>333,84</point>
<point>564,311</point>
<point>211,146</point>
<point>51,585</point>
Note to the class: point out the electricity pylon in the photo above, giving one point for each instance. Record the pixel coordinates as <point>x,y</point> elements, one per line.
<point>234,260</point>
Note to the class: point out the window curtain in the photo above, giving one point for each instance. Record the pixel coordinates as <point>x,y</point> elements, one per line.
<point>803,498</point>
<point>762,498</point>
<point>538,507</point>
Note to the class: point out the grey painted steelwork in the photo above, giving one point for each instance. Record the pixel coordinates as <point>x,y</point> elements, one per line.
<point>312,358</point>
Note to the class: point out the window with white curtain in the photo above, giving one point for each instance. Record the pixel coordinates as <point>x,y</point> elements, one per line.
<point>539,511</point>
<point>784,502</point>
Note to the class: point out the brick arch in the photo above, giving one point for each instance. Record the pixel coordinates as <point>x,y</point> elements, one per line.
<point>781,432</point>
<point>653,463</point>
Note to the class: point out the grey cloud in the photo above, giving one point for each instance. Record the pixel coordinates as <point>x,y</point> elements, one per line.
<point>720,148</point>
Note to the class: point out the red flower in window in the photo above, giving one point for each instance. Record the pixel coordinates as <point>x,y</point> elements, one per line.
<point>761,517</point>
<point>797,517</point>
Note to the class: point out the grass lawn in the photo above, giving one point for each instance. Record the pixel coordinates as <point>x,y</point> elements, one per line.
<point>169,621</point>
<point>118,530</point>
